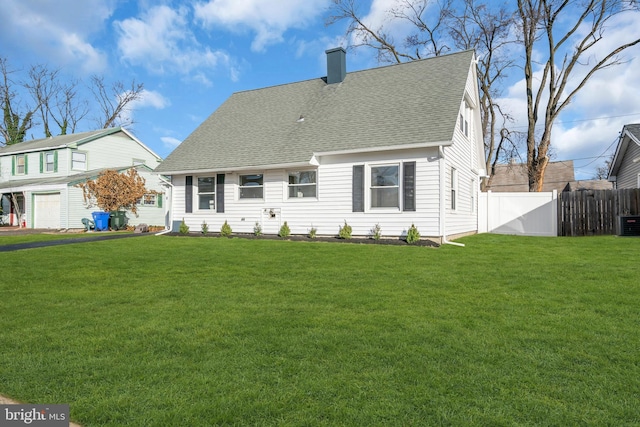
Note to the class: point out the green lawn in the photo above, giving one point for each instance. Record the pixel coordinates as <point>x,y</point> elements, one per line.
<point>176,331</point>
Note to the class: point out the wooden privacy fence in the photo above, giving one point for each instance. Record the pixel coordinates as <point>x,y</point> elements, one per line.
<point>594,212</point>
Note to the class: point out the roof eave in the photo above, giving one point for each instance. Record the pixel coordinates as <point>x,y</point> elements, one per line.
<point>232,169</point>
<point>384,148</point>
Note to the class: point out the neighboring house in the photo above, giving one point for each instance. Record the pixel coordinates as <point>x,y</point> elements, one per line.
<point>624,170</point>
<point>589,184</point>
<point>41,177</point>
<point>513,177</point>
<point>394,146</point>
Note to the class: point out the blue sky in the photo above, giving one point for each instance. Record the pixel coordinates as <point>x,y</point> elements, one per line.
<point>192,55</point>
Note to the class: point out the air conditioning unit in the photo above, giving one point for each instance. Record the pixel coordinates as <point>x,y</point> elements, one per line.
<point>630,225</point>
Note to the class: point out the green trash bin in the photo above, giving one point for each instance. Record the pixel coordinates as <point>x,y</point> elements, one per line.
<point>118,220</point>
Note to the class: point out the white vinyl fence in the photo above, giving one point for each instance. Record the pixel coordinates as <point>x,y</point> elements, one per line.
<point>525,214</point>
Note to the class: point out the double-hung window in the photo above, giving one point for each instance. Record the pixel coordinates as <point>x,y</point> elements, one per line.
<point>385,188</point>
<point>302,184</point>
<point>21,164</point>
<point>207,193</point>
<point>78,160</point>
<point>49,161</point>
<point>251,186</point>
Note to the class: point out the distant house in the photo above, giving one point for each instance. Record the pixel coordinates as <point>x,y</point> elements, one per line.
<point>513,177</point>
<point>393,146</point>
<point>38,178</point>
<point>624,170</point>
<point>589,184</point>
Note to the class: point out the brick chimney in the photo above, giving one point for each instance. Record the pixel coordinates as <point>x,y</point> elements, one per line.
<point>336,65</point>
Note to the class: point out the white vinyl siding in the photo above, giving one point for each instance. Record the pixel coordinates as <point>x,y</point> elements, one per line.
<point>333,204</point>
<point>629,171</point>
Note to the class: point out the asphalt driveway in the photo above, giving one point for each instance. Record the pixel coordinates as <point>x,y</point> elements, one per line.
<point>68,241</point>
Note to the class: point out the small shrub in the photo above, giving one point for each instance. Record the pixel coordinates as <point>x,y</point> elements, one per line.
<point>313,232</point>
<point>413,235</point>
<point>225,230</point>
<point>285,231</point>
<point>345,231</point>
<point>376,232</point>
<point>204,228</point>
<point>184,228</point>
<point>257,229</point>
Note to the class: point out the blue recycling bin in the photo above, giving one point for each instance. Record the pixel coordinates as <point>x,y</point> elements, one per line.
<point>101,219</point>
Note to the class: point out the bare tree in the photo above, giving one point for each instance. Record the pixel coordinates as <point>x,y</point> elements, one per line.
<point>114,100</point>
<point>58,100</point>
<point>365,35</point>
<point>15,123</point>
<point>488,32</point>
<point>568,32</point>
<point>437,26</point>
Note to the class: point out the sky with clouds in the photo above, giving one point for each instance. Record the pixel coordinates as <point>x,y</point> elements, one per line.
<point>192,55</point>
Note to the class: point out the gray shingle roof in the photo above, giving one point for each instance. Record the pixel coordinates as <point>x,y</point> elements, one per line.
<point>57,141</point>
<point>410,103</point>
<point>634,129</point>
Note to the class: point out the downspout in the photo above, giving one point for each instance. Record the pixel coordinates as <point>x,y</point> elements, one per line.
<point>167,229</point>
<point>443,209</point>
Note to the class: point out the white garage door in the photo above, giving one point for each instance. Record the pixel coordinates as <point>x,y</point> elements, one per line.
<point>46,210</point>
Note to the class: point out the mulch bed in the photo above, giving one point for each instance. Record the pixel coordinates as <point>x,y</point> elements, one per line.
<point>329,239</point>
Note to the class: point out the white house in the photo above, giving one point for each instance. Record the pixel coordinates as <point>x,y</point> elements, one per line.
<point>624,170</point>
<point>393,146</point>
<point>38,179</point>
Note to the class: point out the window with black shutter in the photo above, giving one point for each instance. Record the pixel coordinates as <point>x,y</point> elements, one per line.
<point>357,192</point>
<point>188,194</point>
<point>409,186</point>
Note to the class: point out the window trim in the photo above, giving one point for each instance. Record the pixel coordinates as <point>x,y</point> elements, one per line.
<point>398,186</point>
<point>84,153</point>
<point>199,193</point>
<point>313,184</point>
<point>261,186</point>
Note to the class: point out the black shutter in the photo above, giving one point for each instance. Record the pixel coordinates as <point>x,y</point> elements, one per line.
<point>409,186</point>
<point>188,194</point>
<point>358,188</point>
<point>220,193</point>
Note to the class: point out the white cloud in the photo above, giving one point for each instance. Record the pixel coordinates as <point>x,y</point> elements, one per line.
<point>162,42</point>
<point>170,142</point>
<point>267,20</point>
<point>59,32</point>
<point>151,99</point>
<point>147,99</point>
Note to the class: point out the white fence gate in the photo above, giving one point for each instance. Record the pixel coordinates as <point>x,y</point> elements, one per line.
<point>525,214</point>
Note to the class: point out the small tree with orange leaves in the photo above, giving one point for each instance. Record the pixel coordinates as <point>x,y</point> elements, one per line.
<point>112,191</point>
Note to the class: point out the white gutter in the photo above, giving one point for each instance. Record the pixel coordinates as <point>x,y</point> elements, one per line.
<point>383,148</point>
<point>231,170</point>
<point>167,229</point>
<point>443,183</point>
